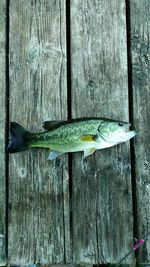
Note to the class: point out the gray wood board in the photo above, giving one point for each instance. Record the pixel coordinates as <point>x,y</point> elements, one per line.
<point>38,188</point>
<point>140,52</point>
<point>2,134</point>
<point>102,219</point>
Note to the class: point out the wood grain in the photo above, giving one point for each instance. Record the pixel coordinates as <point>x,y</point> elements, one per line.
<point>2,134</point>
<point>140,56</point>
<point>102,219</point>
<point>38,188</point>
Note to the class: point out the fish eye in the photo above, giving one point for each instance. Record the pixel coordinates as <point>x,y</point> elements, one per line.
<point>120,123</point>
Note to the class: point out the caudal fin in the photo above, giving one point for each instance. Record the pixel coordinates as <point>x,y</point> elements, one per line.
<point>17,138</point>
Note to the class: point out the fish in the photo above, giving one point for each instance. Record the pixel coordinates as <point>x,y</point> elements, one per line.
<point>60,137</point>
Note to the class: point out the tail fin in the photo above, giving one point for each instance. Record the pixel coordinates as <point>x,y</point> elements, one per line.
<point>17,138</point>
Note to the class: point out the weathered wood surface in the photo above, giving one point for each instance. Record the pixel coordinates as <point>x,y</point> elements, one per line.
<point>38,189</point>
<point>2,134</point>
<point>140,56</point>
<point>100,228</point>
<point>102,220</point>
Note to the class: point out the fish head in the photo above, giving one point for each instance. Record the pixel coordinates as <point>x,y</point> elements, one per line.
<point>115,132</point>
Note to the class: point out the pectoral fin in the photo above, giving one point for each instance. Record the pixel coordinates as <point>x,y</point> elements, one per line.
<point>54,154</point>
<point>88,138</point>
<point>89,151</point>
<point>51,125</point>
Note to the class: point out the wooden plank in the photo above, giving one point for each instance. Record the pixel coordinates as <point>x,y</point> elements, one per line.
<point>101,193</point>
<point>140,56</point>
<point>38,190</point>
<point>2,134</point>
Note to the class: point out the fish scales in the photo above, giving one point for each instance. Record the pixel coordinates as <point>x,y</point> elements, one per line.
<point>67,135</point>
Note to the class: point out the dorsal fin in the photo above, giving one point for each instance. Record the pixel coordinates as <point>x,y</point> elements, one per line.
<point>51,125</point>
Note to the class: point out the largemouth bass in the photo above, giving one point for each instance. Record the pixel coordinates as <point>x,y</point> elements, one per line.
<point>85,135</point>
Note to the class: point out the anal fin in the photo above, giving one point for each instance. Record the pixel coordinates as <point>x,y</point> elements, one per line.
<point>89,151</point>
<point>54,154</point>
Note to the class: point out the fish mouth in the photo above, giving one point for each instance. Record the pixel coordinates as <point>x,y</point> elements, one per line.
<point>129,132</point>
<point>129,129</point>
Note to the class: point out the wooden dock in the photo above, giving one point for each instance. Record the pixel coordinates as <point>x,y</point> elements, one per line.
<point>61,60</point>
